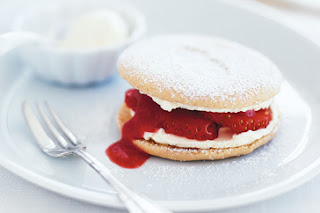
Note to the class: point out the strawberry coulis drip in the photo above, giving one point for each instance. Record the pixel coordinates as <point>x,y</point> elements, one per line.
<point>149,117</point>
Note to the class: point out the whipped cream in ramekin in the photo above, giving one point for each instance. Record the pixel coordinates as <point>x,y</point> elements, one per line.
<point>226,138</point>
<point>169,106</point>
<point>96,28</point>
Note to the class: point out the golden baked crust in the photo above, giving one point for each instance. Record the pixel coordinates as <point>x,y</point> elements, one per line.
<point>200,71</point>
<point>190,154</point>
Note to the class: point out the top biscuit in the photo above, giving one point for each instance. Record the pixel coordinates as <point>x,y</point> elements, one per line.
<point>200,71</point>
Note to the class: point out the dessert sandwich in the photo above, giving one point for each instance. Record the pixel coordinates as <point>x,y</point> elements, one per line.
<point>194,98</point>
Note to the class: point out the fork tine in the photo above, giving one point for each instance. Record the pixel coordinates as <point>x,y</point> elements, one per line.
<point>62,126</point>
<point>52,128</point>
<point>36,128</point>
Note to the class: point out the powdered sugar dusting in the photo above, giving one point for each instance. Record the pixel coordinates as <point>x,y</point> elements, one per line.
<point>201,67</point>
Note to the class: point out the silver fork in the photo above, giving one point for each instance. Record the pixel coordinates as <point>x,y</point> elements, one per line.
<point>67,143</point>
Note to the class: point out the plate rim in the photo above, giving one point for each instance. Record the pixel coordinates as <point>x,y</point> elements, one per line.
<point>66,190</point>
<point>199,205</point>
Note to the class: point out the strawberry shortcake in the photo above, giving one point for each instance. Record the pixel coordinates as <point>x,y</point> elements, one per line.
<point>194,98</point>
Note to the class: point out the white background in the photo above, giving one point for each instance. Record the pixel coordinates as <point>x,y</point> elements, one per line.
<point>18,195</point>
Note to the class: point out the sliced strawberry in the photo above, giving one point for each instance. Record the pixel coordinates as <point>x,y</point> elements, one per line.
<point>132,97</point>
<point>190,124</point>
<point>242,121</point>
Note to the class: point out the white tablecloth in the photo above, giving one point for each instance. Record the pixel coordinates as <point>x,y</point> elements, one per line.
<point>18,195</point>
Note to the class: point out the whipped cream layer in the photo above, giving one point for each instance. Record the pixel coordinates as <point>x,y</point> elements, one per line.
<point>226,139</point>
<point>169,106</point>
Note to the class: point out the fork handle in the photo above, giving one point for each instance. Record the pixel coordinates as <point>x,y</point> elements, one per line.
<point>134,202</point>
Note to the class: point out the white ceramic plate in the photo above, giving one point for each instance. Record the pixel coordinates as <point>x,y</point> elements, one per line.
<point>312,4</point>
<point>289,160</point>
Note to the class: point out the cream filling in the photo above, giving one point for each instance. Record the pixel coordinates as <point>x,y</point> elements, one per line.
<point>169,106</point>
<point>226,138</point>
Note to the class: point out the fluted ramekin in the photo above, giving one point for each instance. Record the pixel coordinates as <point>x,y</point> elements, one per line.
<point>70,66</point>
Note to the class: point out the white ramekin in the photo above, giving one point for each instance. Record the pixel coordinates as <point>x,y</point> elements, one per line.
<point>70,66</point>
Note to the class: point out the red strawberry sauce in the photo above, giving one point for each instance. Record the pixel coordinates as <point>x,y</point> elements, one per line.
<point>149,117</point>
